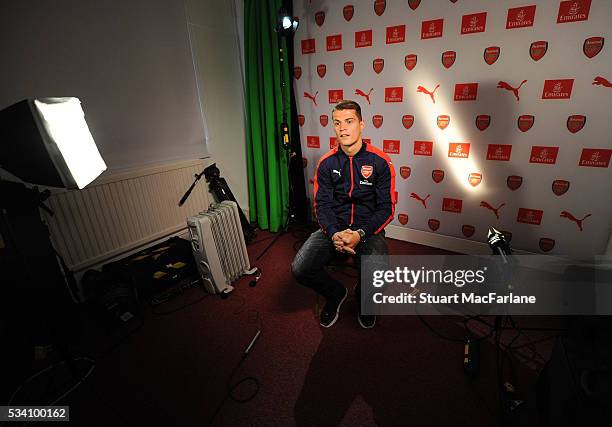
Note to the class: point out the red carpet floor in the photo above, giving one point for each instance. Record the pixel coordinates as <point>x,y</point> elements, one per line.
<point>177,368</point>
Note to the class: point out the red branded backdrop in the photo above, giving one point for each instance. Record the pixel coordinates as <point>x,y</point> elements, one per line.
<point>493,114</point>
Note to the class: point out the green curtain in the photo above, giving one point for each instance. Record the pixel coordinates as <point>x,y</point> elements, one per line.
<point>266,159</point>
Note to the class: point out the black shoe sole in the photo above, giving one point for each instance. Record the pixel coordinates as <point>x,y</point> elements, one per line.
<point>337,311</point>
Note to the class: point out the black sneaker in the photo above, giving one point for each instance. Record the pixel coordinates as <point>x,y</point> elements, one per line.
<point>366,321</point>
<point>330,311</point>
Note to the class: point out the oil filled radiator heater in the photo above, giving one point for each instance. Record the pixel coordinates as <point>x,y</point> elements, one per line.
<point>218,245</point>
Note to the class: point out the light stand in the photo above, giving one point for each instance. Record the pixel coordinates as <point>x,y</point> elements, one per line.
<point>285,28</point>
<point>44,141</point>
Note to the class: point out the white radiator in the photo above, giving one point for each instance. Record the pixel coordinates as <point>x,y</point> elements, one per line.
<point>123,212</point>
<point>218,246</point>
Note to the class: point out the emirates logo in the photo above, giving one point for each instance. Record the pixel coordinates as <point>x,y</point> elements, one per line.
<point>473,23</point>
<point>308,46</point>
<point>313,142</point>
<point>499,152</point>
<point>520,17</point>
<point>423,148</point>
<point>391,146</point>
<point>595,157</point>
<point>544,155</point>
<point>459,150</point>
<point>574,8</point>
<point>432,29</point>
<point>466,91</point>
<point>334,42</point>
<point>557,89</point>
<point>530,216</point>
<point>396,34</point>
<point>573,11</point>
<point>335,95</point>
<point>394,94</point>
<point>363,38</point>
<point>452,205</point>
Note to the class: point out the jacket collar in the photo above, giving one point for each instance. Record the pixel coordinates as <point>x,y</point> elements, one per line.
<point>361,150</point>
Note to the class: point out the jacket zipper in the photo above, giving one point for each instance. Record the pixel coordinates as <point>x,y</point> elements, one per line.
<point>351,190</point>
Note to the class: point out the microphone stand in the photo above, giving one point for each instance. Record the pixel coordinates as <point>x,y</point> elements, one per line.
<point>218,186</point>
<point>188,192</point>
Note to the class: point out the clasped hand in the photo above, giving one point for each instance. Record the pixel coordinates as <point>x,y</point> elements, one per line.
<point>346,241</point>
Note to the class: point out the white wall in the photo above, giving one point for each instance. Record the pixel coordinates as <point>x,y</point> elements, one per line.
<point>215,43</point>
<point>129,63</point>
<point>590,187</point>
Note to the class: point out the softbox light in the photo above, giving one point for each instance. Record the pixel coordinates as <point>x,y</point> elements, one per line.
<point>46,141</point>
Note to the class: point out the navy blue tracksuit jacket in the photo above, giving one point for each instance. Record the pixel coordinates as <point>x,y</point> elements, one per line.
<point>355,192</point>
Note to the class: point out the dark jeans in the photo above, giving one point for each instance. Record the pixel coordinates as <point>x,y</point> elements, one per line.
<point>318,250</point>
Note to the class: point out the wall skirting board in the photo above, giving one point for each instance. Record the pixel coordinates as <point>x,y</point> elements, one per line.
<point>441,241</point>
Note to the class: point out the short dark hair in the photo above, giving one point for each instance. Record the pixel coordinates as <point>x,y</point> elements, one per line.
<point>347,104</point>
